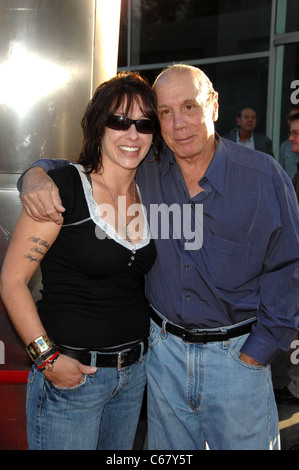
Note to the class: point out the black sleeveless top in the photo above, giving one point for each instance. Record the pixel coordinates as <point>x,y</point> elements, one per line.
<point>93,283</point>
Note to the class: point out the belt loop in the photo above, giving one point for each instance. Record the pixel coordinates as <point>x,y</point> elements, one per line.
<point>141,351</point>
<point>205,340</point>
<point>93,360</point>
<point>163,331</point>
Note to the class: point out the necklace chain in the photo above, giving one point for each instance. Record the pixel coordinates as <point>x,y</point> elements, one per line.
<point>125,224</point>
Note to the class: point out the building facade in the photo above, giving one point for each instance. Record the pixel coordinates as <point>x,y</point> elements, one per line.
<point>249,50</point>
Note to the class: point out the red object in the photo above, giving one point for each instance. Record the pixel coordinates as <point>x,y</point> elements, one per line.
<point>14,376</point>
<point>50,360</point>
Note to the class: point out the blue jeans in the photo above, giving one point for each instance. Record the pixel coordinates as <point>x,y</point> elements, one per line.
<point>202,396</point>
<point>101,413</point>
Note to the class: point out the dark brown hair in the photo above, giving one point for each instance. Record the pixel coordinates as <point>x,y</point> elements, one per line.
<point>107,99</point>
<point>293,117</point>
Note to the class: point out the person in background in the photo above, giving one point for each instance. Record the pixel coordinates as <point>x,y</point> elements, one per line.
<point>88,335</point>
<point>224,291</point>
<point>288,158</point>
<point>294,139</point>
<point>296,182</point>
<point>245,133</point>
<point>290,393</point>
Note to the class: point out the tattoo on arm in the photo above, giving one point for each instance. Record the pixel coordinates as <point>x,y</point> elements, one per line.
<point>32,258</point>
<point>36,249</point>
<point>39,241</point>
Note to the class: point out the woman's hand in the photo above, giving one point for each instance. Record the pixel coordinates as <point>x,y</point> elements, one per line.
<point>68,372</point>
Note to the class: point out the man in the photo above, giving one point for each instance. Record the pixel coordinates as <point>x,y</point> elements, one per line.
<point>245,134</point>
<point>222,311</point>
<point>287,158</point>
<point>290,393</point>
<point>294,139</point>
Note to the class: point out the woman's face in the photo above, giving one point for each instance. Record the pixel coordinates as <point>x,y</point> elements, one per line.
<point>125,149</point>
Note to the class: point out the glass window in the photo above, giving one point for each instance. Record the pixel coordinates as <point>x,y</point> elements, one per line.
<point>289,94</point>
<point>292,16</point>
<point>239,84</point>
<point>181,30</point>
<point>123,35</point>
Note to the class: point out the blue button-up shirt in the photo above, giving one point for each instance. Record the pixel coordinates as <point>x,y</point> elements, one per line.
<point>248,264</point>
<point>244,259</point>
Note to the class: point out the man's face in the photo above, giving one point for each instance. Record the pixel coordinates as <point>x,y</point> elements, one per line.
<point>186,119</point>
<point>247,120</point>
<point>294,135</point>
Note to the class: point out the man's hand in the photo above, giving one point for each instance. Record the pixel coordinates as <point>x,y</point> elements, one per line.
<point>40,197</point>
<point>248,360</point>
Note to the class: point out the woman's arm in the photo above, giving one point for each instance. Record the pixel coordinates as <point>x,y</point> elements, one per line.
<point>30,242</point>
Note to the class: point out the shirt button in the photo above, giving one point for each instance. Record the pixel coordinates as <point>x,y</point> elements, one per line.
<point>188,297</point>
<point>186,266</point>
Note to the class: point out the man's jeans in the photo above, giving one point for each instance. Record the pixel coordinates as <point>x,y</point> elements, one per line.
<point>101,413</point>
<point>202,396</point>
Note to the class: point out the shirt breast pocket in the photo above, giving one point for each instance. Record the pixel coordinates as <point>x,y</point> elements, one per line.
<point>228,262</point>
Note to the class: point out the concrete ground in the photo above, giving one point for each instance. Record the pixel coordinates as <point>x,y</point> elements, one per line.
<point>288,414</point>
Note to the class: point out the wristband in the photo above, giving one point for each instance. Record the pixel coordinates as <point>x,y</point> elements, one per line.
<point>39,346</point>
<point>47,360</point>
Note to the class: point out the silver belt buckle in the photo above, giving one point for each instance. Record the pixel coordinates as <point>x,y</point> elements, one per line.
<point>119,361</point>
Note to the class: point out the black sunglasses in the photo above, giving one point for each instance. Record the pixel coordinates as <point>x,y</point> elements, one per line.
<point>122,123</point>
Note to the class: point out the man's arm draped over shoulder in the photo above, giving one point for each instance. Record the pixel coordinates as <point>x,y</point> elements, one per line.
<point>39,194</point>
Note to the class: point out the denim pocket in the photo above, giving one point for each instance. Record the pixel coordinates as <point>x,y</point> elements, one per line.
<point>67,389</point>
<point>154,335</point>
<point>29,387</point>
<point>34,391</point>
<point>30,381</point>
<point>235,346</point>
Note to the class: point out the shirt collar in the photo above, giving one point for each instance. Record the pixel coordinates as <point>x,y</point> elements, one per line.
<point>241,142</point>
<point>167,160</point>
<point>215,172</point>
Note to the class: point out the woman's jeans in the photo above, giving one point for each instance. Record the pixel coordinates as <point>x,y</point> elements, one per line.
<point>100,413</point>
<point>202,396</point>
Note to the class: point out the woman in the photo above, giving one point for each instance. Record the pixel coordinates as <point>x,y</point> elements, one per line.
<point>88,335</point>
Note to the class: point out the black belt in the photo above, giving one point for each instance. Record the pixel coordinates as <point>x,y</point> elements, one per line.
<point>116,359</point>
<point>203,336</point>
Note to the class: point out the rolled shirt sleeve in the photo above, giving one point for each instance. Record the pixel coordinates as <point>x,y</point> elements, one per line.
<point>279,284</point>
